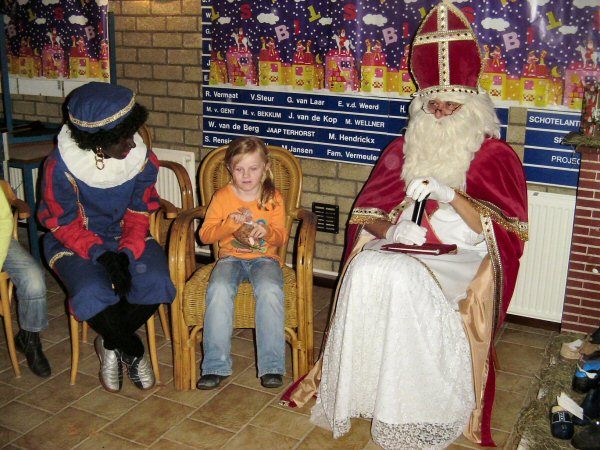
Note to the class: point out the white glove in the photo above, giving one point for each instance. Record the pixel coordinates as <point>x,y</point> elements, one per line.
<point>420,187</point>
<point>406,232</point>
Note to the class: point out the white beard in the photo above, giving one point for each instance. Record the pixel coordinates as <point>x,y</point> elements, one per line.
<point>444,148</point>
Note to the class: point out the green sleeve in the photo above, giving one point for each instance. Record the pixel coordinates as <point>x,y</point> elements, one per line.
<point>6,224</point>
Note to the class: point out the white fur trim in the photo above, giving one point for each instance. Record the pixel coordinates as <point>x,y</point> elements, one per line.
<point>82,165</point>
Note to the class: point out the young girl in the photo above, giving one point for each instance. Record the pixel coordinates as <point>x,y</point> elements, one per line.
<point>247,218</point>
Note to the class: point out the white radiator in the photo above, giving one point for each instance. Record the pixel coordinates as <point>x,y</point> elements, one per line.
<point>540,289</point>
<point>15,179</point>
<point>167,185</point>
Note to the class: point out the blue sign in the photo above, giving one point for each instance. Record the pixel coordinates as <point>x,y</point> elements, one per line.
<point>546,160</point>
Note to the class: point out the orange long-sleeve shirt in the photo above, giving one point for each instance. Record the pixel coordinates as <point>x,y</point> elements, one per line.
<point>218,227</point>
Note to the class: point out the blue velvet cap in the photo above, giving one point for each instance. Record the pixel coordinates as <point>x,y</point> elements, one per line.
<point>99,106</point>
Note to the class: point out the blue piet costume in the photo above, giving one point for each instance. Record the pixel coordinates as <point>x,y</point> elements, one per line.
<point>98,191</point>
<point>91,211</point>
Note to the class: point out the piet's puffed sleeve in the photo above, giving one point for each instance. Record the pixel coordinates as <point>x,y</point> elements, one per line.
<point>144,201</point>
<point>59,212</point>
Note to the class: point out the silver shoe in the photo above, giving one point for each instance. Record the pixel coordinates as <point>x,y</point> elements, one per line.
<point>111,368</point>
<point>139,370</point>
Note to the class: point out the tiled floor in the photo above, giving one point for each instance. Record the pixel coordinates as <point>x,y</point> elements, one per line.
<point>40,413</point>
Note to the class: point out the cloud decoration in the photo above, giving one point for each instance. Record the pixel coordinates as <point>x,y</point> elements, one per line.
<point>78,20</point>
<point>375,19</point>
<point>494,24</point>
<point>271,19</point>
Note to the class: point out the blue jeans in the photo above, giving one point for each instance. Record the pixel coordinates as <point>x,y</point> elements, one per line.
<point>28,278</point>
<point>267,283</point>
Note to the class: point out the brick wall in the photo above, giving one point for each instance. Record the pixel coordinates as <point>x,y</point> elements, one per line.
<point>158,49</point>
<point>581,312</point>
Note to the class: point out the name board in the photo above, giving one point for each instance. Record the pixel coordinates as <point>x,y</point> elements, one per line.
<point>546,160</point>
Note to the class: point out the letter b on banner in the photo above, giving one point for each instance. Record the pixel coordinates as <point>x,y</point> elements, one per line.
<point>282,33</point>
<point>389,35</point>
<point>511,41</point>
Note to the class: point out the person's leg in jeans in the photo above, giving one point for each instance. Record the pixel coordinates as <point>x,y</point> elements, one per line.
<point>28,277</point>
<point>225,279</point>
<point>266,277</point>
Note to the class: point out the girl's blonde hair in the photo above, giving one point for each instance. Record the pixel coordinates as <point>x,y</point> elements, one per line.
<point>250,144</point>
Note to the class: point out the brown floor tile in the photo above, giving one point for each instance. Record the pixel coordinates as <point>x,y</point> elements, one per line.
<point>198,435</point>
<point>233,407</point>
<point>64,430</point>
<point>57,392</point>
<point>506,409</point>
<point>240,414</point>
<point>26,381</point>
<point>105,404</point>
<point>357,438</point>
<point>59,355</point>
<point>7,435</point>
<point>192,398</point>
<point>252,438</point>
<point>9,393</point>
<point>165,444</point>
<point>56,329</point>
<point>242,347</point>
<point>519,359</point>
<point>21,417</point>
<point>104,440</point>
<point>149,419</point>
<point>524,337</point>
<point>513,382</point>
<point>284,422</point>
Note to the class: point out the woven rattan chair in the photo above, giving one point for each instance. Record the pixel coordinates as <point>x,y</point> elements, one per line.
<point>20,211</point>
<point>187,311</point>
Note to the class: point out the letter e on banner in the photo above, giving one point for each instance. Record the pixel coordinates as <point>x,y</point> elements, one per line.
<point>389,35</point>
<point>282,33</point>
<point>511,41</point>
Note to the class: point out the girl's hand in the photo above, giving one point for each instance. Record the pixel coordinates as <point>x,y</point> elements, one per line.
<point>259,231</point>
<point>237,217</point>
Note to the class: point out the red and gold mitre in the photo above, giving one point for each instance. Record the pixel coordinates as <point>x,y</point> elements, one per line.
<point>445,55</point>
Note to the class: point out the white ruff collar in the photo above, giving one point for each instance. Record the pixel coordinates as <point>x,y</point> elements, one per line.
<point>82,165</point>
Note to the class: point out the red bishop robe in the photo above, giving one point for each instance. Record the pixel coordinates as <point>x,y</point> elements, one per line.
<point>496,187</point>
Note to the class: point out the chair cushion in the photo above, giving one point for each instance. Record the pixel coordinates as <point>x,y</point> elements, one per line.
<point>194,295</point>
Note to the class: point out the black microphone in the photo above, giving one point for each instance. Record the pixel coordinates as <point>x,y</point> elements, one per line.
<point>417,215</point>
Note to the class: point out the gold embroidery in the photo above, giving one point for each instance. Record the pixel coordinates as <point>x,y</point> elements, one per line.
<point>494,252</point>
<point>100,123</point>
<point>363,216</point>
<point>512,224</point>
<point>58,256</point>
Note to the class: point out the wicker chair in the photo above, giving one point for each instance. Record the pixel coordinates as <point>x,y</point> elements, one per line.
<point>20,211</point>
<point>187,311</point>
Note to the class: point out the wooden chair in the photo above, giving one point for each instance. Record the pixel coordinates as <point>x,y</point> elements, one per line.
<point>160,222</point>
<point>187,311</point>
<point>20,211</point>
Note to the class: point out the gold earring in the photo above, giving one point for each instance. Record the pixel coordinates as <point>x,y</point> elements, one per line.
<point>99,157</point>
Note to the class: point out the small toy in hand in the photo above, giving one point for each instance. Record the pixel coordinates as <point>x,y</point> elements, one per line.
<point>242,234</point>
